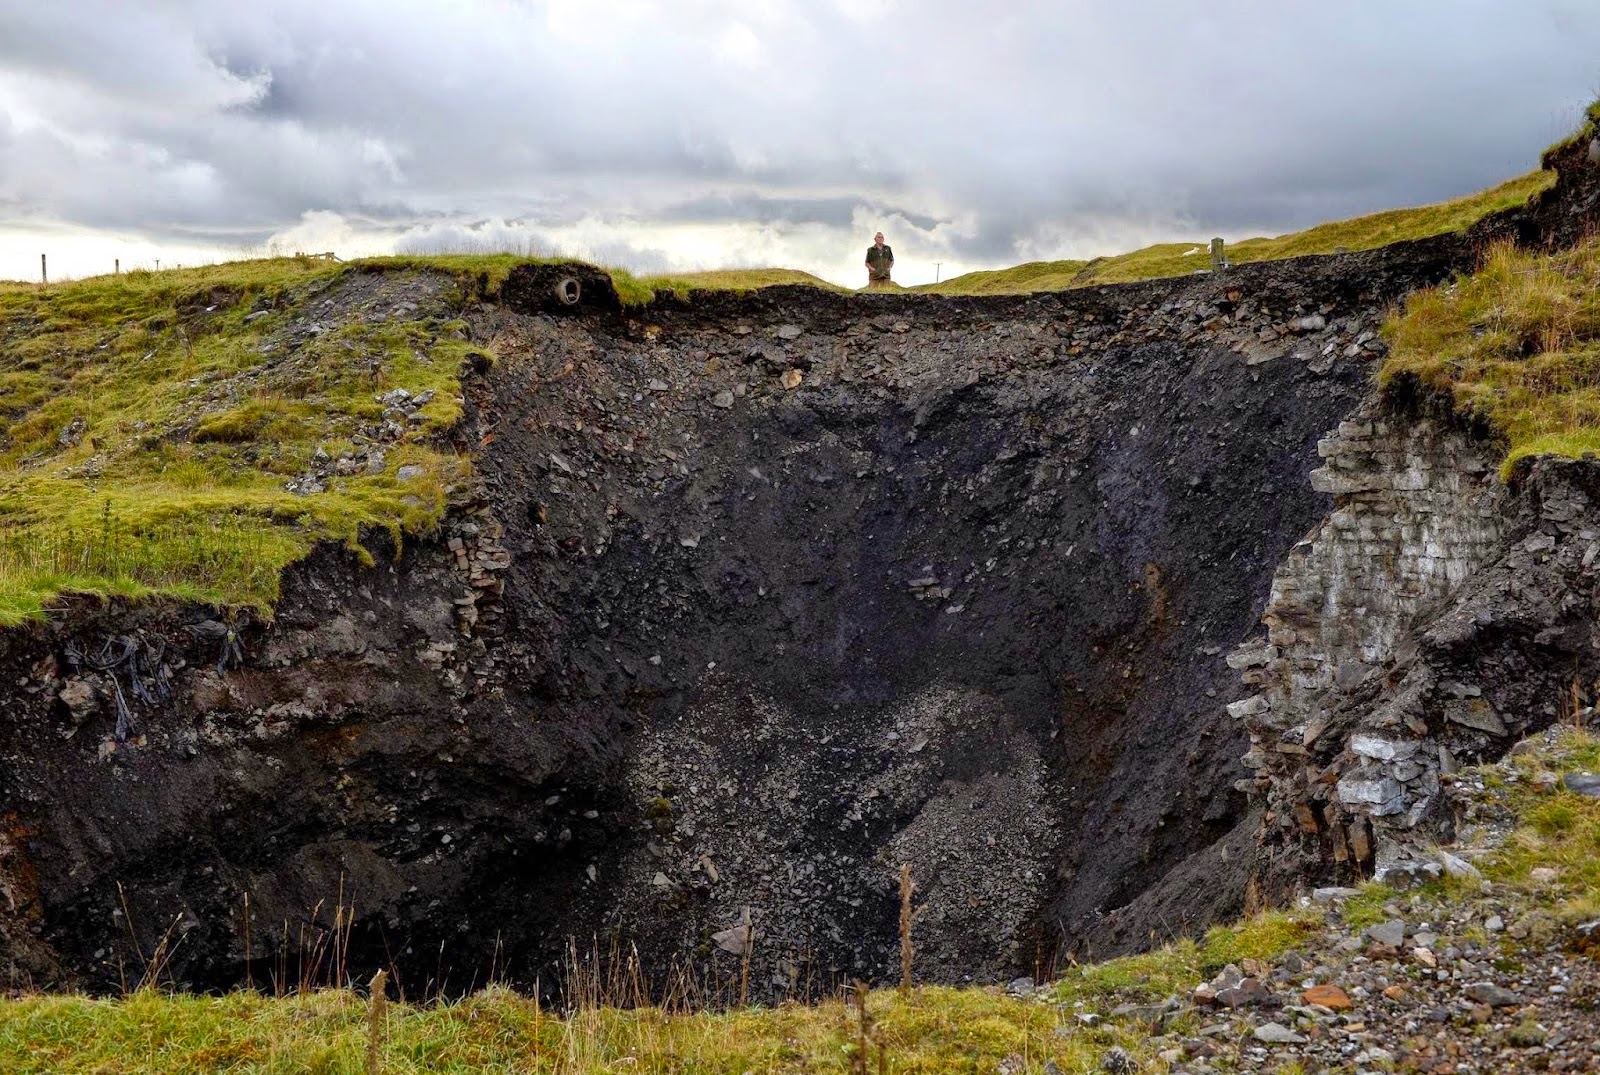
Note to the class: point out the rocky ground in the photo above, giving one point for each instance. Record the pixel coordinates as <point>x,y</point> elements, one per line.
<point>1488,968</point>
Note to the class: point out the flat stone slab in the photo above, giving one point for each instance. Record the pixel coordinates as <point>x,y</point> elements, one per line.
<point>1496,996</point>
<point>1278,1034</point>
<point>1583,783</point>
<point>1391,933</point>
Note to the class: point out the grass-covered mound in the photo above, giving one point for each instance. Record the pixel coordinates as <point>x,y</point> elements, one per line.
<point>151,426</point>
<point>732,280</point>
<point>1515,345</point>
<point>1016,280</point>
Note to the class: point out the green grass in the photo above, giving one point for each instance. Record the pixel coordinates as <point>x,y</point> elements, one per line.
<point>189,431</point>
<point>1557,830</point>
<point>1367,908</point>
<point>1181,258</point>
<point>1180,966</point>
<point>732,280</point>
<point>1018,279</point>
<point>1515,345</point>
<point>934,1031</point>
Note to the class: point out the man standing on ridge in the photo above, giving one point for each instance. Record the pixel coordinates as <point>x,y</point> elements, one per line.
<point>880,259</point>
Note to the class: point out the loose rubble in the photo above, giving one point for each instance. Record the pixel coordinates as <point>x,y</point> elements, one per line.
<point>1428,989</point>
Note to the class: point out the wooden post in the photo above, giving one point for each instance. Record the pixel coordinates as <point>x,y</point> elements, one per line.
<point>116,266</point>
<point>1218,260</point>
<point>907,887</point>
<point>44,273</point>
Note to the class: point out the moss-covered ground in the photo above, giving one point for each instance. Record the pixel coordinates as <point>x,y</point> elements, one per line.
<point>150,424</point>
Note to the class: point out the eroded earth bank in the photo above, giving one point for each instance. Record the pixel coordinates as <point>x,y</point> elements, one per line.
<point>754,598</point>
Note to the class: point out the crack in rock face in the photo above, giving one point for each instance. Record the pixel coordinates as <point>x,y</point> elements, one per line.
<point>755,599</point>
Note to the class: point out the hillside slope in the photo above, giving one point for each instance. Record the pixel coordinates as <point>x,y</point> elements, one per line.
<point>1180,258</point>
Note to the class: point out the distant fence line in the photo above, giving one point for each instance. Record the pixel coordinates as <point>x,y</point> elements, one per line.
<point>116,263</point>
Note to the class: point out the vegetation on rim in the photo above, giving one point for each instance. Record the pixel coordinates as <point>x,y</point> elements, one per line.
<point>150,423</point>
<point>1178,259</point>
<point>1515,345</point>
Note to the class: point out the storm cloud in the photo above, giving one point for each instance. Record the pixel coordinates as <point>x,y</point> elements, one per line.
<point>706,133</point>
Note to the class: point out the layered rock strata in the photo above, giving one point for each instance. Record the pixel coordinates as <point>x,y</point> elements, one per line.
<point>1437,615</point>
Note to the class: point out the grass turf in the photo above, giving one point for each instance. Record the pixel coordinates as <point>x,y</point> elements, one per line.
<point>146,441</point>
<point>1515,344</point>
<point>933,1030</point>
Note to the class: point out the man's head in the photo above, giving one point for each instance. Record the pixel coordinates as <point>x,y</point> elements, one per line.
<point>878,239</point>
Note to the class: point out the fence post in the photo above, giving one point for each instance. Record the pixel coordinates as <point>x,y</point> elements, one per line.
<point>116,266</point>
<point>44,273</point>
<point>1218,259</point>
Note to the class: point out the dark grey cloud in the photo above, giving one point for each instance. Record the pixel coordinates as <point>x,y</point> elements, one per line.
<point>707,130</point>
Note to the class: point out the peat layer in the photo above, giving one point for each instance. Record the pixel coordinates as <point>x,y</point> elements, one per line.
<point>753,599</point>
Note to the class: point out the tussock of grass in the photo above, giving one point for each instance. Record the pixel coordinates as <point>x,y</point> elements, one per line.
<point>1367,908</point>
<point>934,1030</point>
<point>1184,964</point>
<point>1179,259</point>
<point>1516,344</point>
<point>1557,830</point>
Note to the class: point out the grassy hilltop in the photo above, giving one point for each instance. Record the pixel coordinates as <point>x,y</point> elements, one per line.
<point>149,425</point>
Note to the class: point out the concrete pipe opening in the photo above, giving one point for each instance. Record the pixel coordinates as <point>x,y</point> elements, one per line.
<point>568,291</point>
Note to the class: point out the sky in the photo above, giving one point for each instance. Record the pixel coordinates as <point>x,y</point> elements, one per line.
<point>697,134</point>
